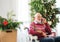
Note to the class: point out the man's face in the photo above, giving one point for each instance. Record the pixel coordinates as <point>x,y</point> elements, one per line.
<point>38,17</point>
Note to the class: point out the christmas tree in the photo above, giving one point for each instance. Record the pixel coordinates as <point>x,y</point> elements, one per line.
<point>47,10</point>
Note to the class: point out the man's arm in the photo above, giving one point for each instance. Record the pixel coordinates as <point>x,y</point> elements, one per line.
<point>32,29</point>
<point>48,29</point>
<point>47,26</point>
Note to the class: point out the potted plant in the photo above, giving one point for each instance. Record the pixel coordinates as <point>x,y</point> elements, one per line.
<point>8,25</point>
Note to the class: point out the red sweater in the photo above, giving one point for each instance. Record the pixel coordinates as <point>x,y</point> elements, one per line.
<point>43,27</point>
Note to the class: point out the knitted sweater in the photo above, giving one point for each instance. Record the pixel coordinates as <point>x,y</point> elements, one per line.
<point>43,27</point>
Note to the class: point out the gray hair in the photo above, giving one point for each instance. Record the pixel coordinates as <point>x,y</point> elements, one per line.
<point>37,14</point>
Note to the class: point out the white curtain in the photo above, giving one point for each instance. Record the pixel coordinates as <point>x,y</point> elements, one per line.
<point>24,16</point>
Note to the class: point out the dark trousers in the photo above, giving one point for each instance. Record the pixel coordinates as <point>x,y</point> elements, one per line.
<point>57,39</point>
<point>50,39</point>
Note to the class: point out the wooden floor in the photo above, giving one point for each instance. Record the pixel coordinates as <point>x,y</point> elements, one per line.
<point>8,36</point>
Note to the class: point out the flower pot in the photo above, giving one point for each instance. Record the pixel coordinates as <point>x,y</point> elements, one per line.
<point>8,36</point>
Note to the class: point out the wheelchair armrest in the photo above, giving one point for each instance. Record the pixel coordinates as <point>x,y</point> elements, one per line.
<point>26,28</point>
<point>33,38</point>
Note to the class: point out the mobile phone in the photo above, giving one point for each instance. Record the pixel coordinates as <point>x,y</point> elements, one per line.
<point>42,21</point>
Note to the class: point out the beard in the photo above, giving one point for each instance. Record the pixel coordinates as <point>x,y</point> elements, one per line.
<point>39,21</point>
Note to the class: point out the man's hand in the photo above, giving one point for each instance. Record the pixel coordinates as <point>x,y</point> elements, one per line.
<point>41,32</point>
<point>52,35</point>
<point>44,20</point>
<point>44,34</point>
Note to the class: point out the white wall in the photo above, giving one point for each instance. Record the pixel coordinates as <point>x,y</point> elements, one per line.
<point>57,3</point>
<point>14,6</point>
<point>58,24</point>
<point>6,6</point>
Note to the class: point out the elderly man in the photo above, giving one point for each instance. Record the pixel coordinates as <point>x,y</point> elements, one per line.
<point>41,28</point>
